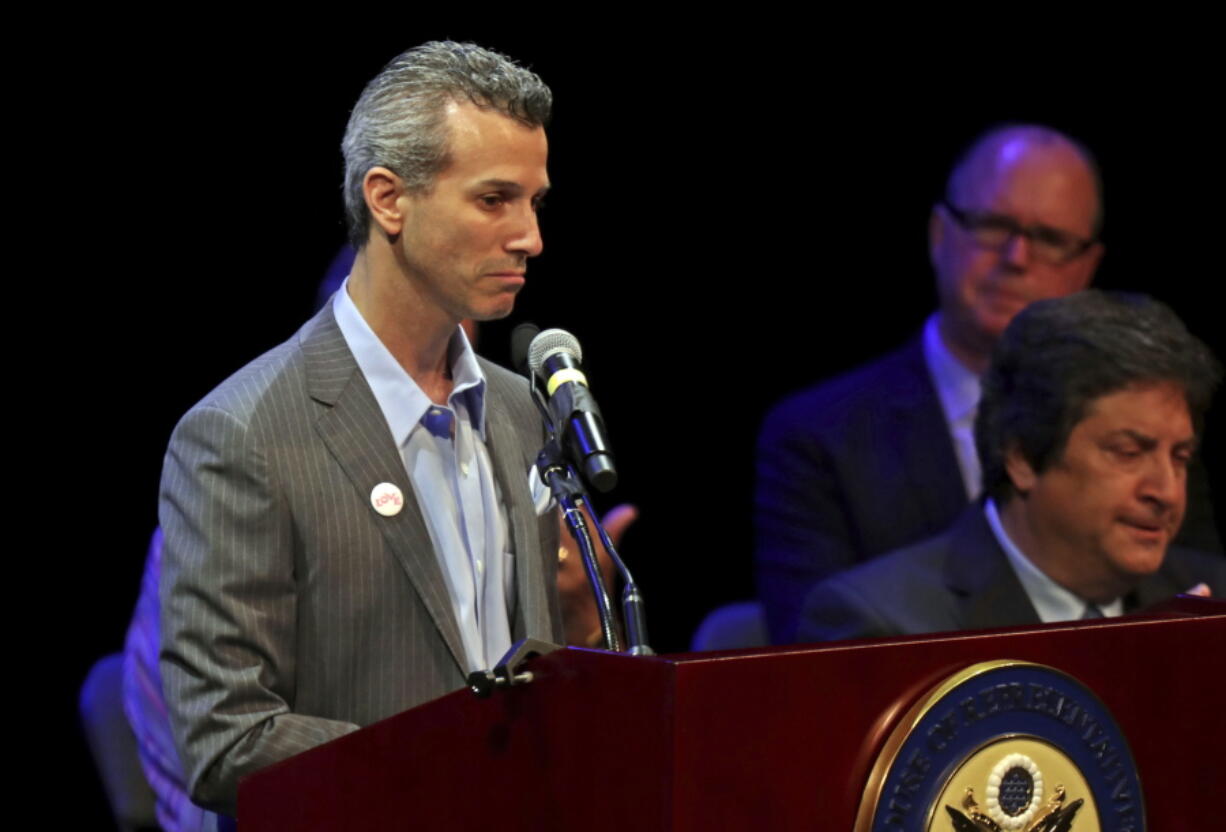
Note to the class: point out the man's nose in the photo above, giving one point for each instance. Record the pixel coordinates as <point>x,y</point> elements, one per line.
<point>526,238</point>
<point>1017,251</point>
<point>1164,482</point>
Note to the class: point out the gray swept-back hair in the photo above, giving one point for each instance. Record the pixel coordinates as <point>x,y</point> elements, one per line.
<point>1057,356</point>
<point>399,121</point>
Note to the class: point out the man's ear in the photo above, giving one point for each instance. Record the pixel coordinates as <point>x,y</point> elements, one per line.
<point>936,231</point>
<point>1090,260</point>
<point>382,190</point>
<point>1020,472</point>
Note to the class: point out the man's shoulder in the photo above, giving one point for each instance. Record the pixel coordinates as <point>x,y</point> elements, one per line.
<point>893,573</point>
<point>919,588</point>
<point>965,554</point>
<point>864,391</point>
<point>267,385</point>
<point>1187,567</point>
<point>898,593</point>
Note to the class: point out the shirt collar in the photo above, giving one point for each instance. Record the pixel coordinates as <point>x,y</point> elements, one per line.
<point>957,387</point>
<point>1052,601</point>
<point>400,398</point>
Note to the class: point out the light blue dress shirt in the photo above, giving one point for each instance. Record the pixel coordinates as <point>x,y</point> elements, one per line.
<point>448,464</point>
<point>1052,601</point>
<point>958,391</point>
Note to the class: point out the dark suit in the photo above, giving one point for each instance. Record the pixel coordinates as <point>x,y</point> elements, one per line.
<point>847,470</point>
<point>292,611</point>
<point>962,580</point>
<point>863,465</point>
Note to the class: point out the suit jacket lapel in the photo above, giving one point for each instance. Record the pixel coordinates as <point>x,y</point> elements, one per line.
<point>531,614</point>
<point>922,443</point>
<point>353,428</point>
<point>987,589</point>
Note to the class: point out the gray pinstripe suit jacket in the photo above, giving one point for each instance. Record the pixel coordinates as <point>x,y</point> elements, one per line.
<point>292,612</point>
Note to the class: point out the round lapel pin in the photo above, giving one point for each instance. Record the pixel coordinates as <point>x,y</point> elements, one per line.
<point>387,499</point>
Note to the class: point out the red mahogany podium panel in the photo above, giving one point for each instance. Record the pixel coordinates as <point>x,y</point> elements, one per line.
<point>774,739</point>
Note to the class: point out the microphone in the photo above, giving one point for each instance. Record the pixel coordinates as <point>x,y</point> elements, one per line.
<point>555,358</point>
<point>521,341</point>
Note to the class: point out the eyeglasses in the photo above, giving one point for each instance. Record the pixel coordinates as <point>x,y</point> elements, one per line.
<point>995,231</point>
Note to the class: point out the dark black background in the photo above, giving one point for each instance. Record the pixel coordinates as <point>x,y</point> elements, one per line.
<point>732,218</point>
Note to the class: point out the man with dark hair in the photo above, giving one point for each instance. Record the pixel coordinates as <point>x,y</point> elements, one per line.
<point>884,456</point>
<point>351,525</point>
<point>1088,422</point>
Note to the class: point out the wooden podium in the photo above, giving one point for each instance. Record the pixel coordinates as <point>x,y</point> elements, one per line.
<point>775,739</point>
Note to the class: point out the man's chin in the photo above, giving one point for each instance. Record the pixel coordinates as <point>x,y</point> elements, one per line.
<point>993,318</point>
<point>494,314</point>
<point>495,309</point>
<point>1138,559</point>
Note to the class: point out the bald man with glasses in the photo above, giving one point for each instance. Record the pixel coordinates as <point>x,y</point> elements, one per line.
<point>884,456</point>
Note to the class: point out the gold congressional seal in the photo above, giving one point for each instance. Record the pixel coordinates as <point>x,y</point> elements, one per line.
<point>1016,785</point>
<point>1004,746</point>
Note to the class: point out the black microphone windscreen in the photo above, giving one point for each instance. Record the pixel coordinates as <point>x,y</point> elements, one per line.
<point>521,339</point>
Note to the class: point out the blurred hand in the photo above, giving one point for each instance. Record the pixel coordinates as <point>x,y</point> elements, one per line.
<point>617,520</point>
<point>1201,589</point>
<point>579,613</point>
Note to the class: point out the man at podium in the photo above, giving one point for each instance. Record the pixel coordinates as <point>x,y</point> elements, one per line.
<point>351,525</point>
<point>1090,413</point>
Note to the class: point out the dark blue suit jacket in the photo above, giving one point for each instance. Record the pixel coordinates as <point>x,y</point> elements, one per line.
<point>863,465</point>
<point>962,580</point>
<point>848,470</point>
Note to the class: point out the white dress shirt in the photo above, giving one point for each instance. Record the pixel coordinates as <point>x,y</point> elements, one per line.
<point>1052,601</point>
